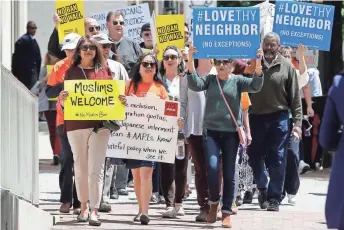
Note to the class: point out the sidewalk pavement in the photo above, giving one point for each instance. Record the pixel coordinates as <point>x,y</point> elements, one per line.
<point>308,214</point>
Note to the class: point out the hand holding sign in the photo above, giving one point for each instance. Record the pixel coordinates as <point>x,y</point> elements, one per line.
<point>56,19</point>
<point>192,51</point>
<point>63,97</point>
<point>259,69</point>
<point>122,99</point>
<point>184,54</point>
<point>302,49</point>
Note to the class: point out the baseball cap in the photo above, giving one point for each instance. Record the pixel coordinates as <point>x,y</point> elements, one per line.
<point>102,38</point>
<point>70,41</point>
<point>145,27</point>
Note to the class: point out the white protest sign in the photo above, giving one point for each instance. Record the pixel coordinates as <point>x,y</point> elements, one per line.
<point>188,8</point>
<point>152,24</point>
<point>135,17</point>
<point>150,131</point>
<point>267,12</point>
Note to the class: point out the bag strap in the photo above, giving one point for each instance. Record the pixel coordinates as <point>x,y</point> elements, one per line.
<point>228,107</point>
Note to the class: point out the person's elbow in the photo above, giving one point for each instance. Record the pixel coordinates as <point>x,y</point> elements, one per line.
<point>256,84</point>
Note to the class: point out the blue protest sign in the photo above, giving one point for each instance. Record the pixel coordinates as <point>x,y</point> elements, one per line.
<point>306,23</point>
<point>226,32</point>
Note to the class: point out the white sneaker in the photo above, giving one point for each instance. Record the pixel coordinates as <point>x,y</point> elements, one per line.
<point>292,199</point>
<point>180,210</point>
<point>303,167</point>
<point>170,213</point>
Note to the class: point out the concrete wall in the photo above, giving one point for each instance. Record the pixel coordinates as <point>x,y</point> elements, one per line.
<point>42,13</point>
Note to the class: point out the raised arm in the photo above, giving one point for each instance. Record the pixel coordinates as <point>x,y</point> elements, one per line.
<point>195,82</point>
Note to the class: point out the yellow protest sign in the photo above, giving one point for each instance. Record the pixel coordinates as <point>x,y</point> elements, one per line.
<point>169,32</point>
<point>72,17</point>
<point>94,100</point>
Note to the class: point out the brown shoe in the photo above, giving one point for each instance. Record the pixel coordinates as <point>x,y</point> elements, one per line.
<point>211,218</point>
<point>65,208</point>
<point>226,221</point>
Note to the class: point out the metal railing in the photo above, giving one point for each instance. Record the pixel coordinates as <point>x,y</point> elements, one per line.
<point>19,139</point>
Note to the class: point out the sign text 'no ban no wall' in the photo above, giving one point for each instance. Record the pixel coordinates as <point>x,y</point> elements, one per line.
<point>226,32</point>
<point>306,23</point>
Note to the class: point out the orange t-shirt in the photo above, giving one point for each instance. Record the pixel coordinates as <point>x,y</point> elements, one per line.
<point>56,77</point>
<point>144,88</point>
<point>245,101</point>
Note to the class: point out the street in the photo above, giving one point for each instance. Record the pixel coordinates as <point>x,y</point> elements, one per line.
<point>306,215</point>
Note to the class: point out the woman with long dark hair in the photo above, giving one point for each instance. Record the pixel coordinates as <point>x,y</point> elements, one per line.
<point>88,139</point>
<point>145,81</point>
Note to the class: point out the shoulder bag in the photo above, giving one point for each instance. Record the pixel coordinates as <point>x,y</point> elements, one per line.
<point>112,125</point>
<point>240,129</point>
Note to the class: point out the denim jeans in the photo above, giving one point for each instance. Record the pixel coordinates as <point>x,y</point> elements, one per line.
<point>227,143</point>
<point>269,141</point>
<point>292,179</point>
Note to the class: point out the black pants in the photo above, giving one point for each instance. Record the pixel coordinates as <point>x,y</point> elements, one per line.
<point>156,179</point>
<point>67,185</point>
<point>173,180</point>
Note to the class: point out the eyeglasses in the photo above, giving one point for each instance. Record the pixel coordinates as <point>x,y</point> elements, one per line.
<point>224,62</point>
<point>88,47</point>
<point>267,44</point>
<point>172,57</point>
<point>106,46</point>
<point>118,22</point>
<point>148,64</point>
<point>146,34</point>
<point>92,28</point>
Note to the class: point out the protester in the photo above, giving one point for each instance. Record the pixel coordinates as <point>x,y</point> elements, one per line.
<point>88,139</point>
<point>173,176</point>
<point>146,35</point>
<point>49,108</point>
<point>220,129</point>
<point>127,50</point>
<point>192,110</point>
<point>145,81</point>
<point>91,28</point>
<point>269,121</point>
<point>68,195</point>
<point>118,72</point>
<point>330,138</point>
<point>292,180</point>
<point>26,59</point>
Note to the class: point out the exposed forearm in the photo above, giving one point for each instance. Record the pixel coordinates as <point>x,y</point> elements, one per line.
<point>302,64</point>
<point>246,121</point>
<point>307,94</point>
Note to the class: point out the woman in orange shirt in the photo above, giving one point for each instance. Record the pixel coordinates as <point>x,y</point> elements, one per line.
<point>145,81</point>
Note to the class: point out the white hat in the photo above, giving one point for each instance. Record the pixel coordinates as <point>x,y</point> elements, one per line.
<point>70,41</point>
<point>102,38</point>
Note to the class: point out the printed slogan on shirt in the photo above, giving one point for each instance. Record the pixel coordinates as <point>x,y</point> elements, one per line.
<point>226,32</point>
<point>169,32</point>
<point>149,133</point>
<point>72,16</point>
<point>306,23</point>
<point>94,100</point>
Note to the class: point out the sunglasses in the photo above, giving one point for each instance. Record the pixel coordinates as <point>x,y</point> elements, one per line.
<point>172,57</point>
<point>148,64</point>
<point>88,47</point>
<point>118,22</point>
<point>224,62</point>
<point>106,46</point>
<point>93,28</point>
